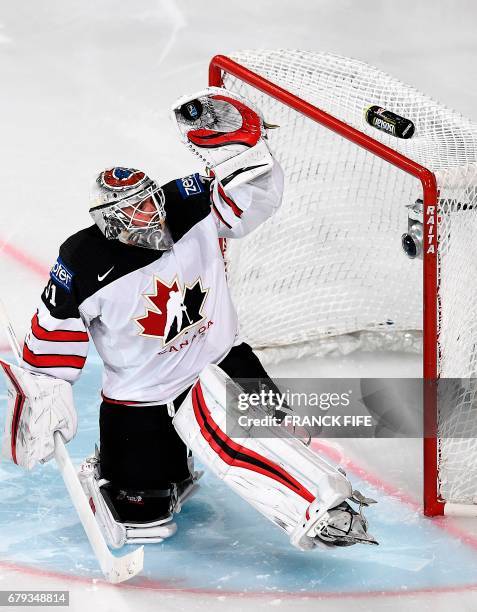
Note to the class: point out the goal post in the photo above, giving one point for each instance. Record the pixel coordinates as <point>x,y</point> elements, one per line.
<point>299,90</point>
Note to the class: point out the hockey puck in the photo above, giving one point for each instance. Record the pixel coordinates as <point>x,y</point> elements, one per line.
<point>192,110</point>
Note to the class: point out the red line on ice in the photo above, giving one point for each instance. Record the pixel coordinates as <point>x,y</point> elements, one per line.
<point>140,583</point>
<point>444,523</point>
<point>27,261</point>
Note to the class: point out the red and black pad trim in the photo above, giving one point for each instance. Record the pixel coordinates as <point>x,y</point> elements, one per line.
<point>17,410</point>
<point>228,200</point>
<point>52,361</point>
<point>217,212</point>
<point>248,134</point>
<point>236,455</point>
<point>58,335</point>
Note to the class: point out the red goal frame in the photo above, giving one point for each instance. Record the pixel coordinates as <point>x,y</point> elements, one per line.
<point>221,64</point>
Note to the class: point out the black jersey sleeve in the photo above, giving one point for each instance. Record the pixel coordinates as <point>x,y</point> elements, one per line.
<point>187,202</point>
<point>57,343</point>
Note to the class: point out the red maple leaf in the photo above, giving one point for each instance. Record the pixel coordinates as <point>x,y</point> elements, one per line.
<point>153,322</point>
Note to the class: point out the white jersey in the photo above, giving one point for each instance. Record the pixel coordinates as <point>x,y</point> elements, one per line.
<point>157,318</point>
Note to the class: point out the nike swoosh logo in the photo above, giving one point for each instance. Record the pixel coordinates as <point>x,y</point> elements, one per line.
<point>101,278</point>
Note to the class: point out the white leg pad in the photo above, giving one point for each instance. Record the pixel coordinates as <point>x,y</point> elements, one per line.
<point>279,475</point>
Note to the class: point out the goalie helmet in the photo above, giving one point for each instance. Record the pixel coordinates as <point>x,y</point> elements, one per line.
<point>129,206</point>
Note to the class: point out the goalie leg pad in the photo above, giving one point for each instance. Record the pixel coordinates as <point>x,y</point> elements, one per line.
<point>280,476</point>
<point>127,517</point>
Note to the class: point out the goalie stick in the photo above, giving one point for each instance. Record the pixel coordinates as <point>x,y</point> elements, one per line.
<point>115,569</point>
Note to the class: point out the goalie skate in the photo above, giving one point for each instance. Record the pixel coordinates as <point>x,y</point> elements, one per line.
<point>119,532</point>
<point>338,526</point>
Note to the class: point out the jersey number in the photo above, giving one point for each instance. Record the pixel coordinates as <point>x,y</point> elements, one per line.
<point>50,293</point>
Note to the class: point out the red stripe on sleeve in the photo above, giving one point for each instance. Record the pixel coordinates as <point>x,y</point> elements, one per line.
<point>223,246</point>
<point>228,200</point>
<point>58,335</point>
<point>216,211</point>
<point>52,361</point>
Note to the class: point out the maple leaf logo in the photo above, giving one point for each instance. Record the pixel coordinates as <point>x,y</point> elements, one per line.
<point>171,310</point>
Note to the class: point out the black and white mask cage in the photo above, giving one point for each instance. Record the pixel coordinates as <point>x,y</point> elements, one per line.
<point>129,206</point>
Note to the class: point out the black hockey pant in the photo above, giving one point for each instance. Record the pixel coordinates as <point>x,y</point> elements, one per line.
<point>140,448</point>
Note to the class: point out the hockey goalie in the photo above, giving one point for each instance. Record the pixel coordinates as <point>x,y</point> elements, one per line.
<point>147,284</point>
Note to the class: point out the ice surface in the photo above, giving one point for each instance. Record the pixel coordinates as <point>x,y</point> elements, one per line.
<point>224,546</point>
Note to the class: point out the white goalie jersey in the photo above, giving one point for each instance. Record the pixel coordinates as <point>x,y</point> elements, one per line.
<point>157,318</point>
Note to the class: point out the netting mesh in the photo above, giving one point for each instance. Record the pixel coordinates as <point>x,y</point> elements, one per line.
<point>327,272</point>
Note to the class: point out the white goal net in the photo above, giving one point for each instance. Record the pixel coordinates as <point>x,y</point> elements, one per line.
<point>328,272</point>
